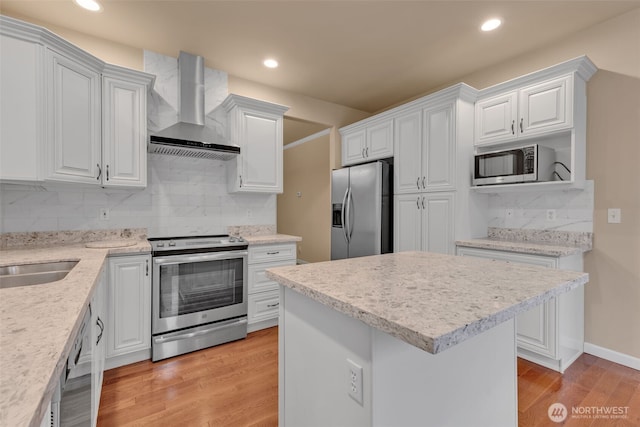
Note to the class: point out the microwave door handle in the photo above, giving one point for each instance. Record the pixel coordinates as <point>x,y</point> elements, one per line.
<point>343,217</point>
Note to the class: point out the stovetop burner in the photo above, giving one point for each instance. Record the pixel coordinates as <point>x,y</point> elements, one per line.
<point>189,243</point>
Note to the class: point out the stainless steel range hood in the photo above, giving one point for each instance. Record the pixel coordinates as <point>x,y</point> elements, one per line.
<point>190,137</point>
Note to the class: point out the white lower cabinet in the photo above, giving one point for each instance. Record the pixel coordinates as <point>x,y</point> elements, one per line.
<point>264,300</point>
<point>424,222</point>
<point>129,310</point>
<point>550,334</point>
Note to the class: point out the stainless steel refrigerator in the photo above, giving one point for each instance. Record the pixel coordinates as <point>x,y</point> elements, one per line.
<point>362,210</point>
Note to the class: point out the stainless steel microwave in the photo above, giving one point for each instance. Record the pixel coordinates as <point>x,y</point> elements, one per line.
<point>529,163</point>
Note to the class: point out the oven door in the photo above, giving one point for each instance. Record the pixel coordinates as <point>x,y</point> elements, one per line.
<point>195,289</point>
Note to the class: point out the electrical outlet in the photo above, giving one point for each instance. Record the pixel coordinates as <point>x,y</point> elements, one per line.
<point>104,214</point>
<point>551,215</point>
<point>614,215</point>
<point>354,380</point>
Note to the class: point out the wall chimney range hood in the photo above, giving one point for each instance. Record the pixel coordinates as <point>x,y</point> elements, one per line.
<point>190,137</point>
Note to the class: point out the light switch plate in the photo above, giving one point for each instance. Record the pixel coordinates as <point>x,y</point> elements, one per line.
<point>614,215</point>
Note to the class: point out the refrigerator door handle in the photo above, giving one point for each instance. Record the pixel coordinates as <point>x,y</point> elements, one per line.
<point>350,228</point>
<point>342,216</point>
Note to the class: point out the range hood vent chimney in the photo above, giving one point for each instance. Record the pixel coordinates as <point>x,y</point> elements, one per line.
<point>190,137</point>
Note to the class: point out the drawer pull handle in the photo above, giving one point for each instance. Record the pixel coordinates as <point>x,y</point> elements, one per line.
<point>273,253</point>
<point>273,305</point>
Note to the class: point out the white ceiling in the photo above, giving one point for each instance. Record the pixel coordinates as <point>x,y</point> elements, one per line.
<point>363,54</point>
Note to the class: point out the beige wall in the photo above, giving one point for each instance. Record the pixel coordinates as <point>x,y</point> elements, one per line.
<point>612,306</point>
<point>307,170</point>
<point>108,51</point>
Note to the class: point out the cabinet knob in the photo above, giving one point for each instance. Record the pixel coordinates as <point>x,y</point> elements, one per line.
<point>240,181</point>
<point>418,202</point>
<point>423,179</point>
<point>418,183</point>
<point>107,172</point>
<point>363,153</point>
<point>521,125</point>
<point>513,127</point>
<point>367,151</point>
<point>423,202</point>
<point>99,171</point>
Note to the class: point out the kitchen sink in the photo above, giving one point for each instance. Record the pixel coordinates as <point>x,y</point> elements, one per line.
<point>34,274</point>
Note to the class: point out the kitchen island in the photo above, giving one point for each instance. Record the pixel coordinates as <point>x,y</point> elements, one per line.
<point>405,339</point>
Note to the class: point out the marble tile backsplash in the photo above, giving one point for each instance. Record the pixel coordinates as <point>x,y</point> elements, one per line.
<point>574,209</point>
<point>184,196</point>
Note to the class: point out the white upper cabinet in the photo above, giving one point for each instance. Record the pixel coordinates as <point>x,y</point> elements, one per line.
<point>73,125</point>
<point>124,130</point>
<point>255,126</point>
<point>546,106</point>
<point>534,110</point>
<point>22,112</point>
<point>366,142</point>
<point>408,153</point>
<point>425,149</point>
<point>496,118</point>
<point>66,115</point>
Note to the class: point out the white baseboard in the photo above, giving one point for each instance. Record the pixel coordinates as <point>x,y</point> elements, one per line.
<point>612,356</point>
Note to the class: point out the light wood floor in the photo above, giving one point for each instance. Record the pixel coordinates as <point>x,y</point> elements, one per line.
<point>236,384</point>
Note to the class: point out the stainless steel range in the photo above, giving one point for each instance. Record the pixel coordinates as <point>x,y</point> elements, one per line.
<point>199,293</point>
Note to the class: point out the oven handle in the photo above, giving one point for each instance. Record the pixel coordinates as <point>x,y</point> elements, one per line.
<point>181,259</point>
<point>160,340</point>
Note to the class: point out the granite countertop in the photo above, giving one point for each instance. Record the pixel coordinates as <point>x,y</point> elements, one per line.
<point>431,301</point>
<point>552,243</point>
<point>270,239</point>
<point>533,248</point>
<point>38,324</point>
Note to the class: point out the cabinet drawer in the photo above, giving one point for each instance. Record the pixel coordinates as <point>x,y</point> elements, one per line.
<point>258,280</point>
<point>540,260</point>
<point>270,253</point>
<point>263,306</point>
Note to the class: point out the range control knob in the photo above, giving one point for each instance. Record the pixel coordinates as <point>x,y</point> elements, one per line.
<point>160,245</point>
<point>172,243</point>
<point>232,239</point>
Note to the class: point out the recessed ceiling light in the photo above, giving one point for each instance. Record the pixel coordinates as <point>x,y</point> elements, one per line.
<point>270,63</point>
<point>491,24</point>
<point>91,5</point>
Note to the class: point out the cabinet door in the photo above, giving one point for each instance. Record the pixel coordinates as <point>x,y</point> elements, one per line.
<point>496,118</point>
<point>379,142</point>
<point>73,121</point>
<point>261,152</point>
<point>536,328</point>
<point>353,147</point>
<point>98,343</point>
<point>546,107</point>
<point>439,149</point>
<point>407,223</point>
<point>129,290</point>
<point>407,169</point>
<point>124,140</point>
<point>437,223</point>
<point>22,109</point>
